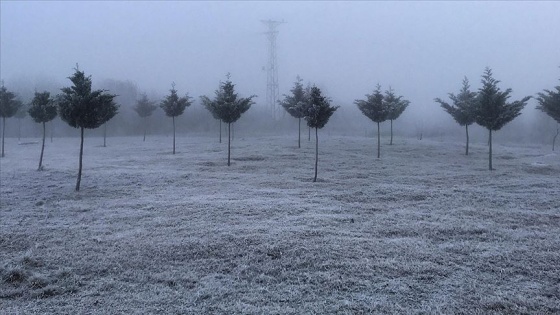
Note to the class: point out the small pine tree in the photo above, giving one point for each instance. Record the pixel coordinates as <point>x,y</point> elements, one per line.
<point>396,106</point>
<point>374,108</point>
<point>42,110</point>
<point>80,107</point>
<point>9,106</point>
<point>228,106</point>
<point>317,111</point>
<point>294,103</point>
<point>549,103</point>
<point>174,106</point>
<point>462,109</point>
<point>492,111</point>
<point>145,108</point>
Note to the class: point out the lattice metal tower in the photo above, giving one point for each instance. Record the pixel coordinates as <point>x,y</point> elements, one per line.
<point>272,90</point>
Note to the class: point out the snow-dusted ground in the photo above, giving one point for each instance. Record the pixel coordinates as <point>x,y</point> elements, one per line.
<point>424,229</point>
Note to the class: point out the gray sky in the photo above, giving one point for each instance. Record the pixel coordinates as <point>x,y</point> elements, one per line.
<point>421,49</point>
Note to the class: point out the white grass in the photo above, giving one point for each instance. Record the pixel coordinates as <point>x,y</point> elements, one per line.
<point>423,230</point>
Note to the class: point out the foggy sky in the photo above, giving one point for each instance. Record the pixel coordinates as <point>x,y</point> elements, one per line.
<point>421,49</point>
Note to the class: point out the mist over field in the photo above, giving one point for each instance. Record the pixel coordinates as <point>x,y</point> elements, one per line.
<point>423,50</point>
<point>420,228</point>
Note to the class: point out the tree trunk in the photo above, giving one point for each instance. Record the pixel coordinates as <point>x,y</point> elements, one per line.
<point>467,130</point>
<point>220,130</point>
<point>378,141</point>
<point>554,139</point>
<point>229,145</point>
<point>19,130</point>
<point>52,130</point>
<point>42,148</point>
<point>105,135</point>
<point>490,149</point>
<point>3,133</point>
<point>391,143</point>
<point>232,132</point>
<point>81,154</point>
<point>309,135</point>
<point>145,127</point>
<point>173,134</point>
<point>316,154</point>
<point>299,134</point>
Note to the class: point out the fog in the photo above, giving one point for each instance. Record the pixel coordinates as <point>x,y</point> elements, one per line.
<point>421,49</point>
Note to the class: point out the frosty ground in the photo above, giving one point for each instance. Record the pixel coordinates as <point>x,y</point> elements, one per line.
<point>425,229</point>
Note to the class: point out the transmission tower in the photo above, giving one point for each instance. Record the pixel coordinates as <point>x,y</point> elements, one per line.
<point>272,90</point>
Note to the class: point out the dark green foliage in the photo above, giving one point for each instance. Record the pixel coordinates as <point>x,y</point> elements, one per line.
<point>227,106</point>
<point>173,105</point>
<point>395,106</point>
<point>9,106</point>
<point>492,110</point>
<point>373,106</point>
<point>318,110</point>
<point>43,108</point>
<point>80,107</point>
<point>144,107</point>
<point>462,109</point>
<point>295,103</point>
<point>549,103</point>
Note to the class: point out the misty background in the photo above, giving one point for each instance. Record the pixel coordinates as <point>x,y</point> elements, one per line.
<point>422,50</point>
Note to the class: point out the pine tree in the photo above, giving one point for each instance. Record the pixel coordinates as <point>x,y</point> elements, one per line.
<point>294,103</point>
<point>492,111</point>
<point>174,106</point>
<point>80,107</point>
<point>374,108</point>
<point>396,106</point>
<point>317,112</point>
<point>227,106</point>
<point>549,103</point>
<point>462,109</point>
<point>212,108</point>
<point>42,110</point>
<point>9,106</point>
<point>145,108</point>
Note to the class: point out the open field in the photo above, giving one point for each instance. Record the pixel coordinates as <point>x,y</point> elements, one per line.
<point>423,230</point>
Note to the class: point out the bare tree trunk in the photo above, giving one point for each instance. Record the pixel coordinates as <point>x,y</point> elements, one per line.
<point>490,149</point>
<point>299,133</point>
<point>232,132</point>
<point>467,130</point>
<point>173,134</point>
<point>229,145</point>
<point>145,127</point>
<point>554,139</point>
<point>52,130</point>
<point>105,135</point>
<point>19,130</point>
<point>42,148</point>
<point>316,154</point>
<point>391,143</point>
<point>81,154</point>
<point>378,141</point>
<point>309,135</point>
<point>3,133</point>
<point>220,130</point>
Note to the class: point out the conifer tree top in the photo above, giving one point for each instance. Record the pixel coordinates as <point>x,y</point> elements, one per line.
<point>293,104</point>
<point>373,106</point>
<point>227,106</point>
<point>144,107</point>
<point>395,104</point>
<point>318,109</point>
<point>549,103</point>
<point>492,110</point>
<point>462,109</point>
<point>81,107</point>
<point>43,108</point>
<point>9,104</point>
<point>173,105</point>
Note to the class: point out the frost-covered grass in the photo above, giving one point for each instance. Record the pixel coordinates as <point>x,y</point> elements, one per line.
<point>423,230</point>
